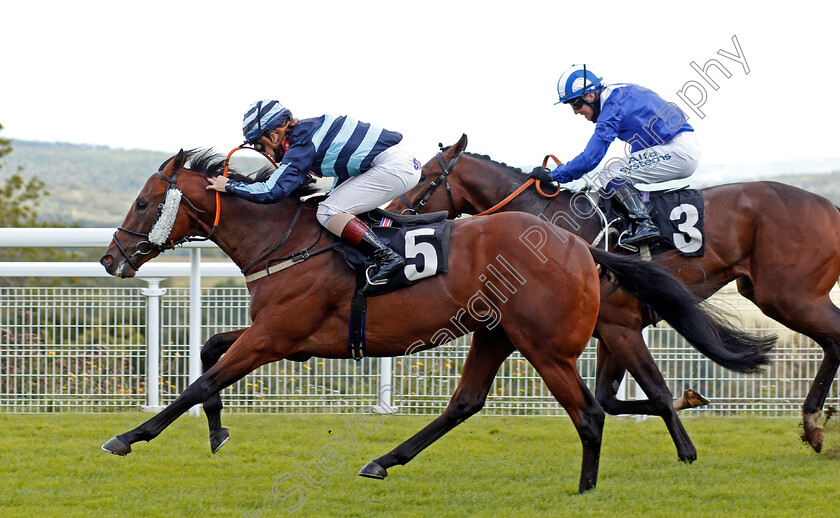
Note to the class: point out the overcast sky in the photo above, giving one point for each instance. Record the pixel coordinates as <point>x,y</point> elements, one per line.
<point>169,75</point>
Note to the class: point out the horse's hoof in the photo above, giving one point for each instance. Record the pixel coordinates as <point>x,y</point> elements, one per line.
<point>373,470</point>
<point>694,398</point>
<point>814,438</point>
<point>688,459</point>
<point>812,433</point>
<point>218,439</point>
<point>117,447</point>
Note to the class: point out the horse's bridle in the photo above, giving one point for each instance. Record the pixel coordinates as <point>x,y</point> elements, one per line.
<point>146,247</point>
<point>423,198</point>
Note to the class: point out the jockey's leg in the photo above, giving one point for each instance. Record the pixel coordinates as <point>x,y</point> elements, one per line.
<point>645,232</point>
<point>678,158</point>
<point>355,231</point>
<point>392,172</point>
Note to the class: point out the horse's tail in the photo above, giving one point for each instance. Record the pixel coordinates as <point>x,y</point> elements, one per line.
<point>706,330</point>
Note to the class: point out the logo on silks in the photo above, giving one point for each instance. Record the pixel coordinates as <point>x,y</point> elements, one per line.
<point>417,165</point>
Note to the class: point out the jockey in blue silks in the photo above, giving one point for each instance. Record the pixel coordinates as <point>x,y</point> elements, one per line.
<point>662,144</point>
<point>369,165</point>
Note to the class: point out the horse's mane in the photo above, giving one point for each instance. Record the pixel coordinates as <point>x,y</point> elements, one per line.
<point>211,164</point>
<point>514,172</point>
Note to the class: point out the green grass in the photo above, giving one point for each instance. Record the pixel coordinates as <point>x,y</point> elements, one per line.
<point>52,465</point>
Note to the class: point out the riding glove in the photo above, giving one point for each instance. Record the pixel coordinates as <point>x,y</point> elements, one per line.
<point>542,174</point>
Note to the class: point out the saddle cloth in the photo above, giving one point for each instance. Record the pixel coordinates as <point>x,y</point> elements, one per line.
<point>679,215</point>
<point>423,240</point>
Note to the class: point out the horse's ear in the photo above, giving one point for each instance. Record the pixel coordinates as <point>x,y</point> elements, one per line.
<point>461,145</point>
<point>172,164</point>
<point>180,158</point>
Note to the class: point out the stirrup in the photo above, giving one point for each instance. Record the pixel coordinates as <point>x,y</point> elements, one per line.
<point>625,235</point>
<point>380,282</point>
<point>650,240</point>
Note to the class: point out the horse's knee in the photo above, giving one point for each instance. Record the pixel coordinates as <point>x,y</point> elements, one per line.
<point>592,426</point>
<point>464,405</point>
<point>213,349</point>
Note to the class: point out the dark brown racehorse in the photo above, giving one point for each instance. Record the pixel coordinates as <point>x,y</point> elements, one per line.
<point>781,244</point>
<point>303,311</point>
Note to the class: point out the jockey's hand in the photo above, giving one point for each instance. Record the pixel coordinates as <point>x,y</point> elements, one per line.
<point>562,176</point>
<point>217,183</point>
<point>541,174</point>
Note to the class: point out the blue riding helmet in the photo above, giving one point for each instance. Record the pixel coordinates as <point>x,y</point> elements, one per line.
<point>261,117</point>
<point>576,81</point>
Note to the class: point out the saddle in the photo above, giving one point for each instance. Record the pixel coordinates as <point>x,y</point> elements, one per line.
<point>424,242</point>
<point>677,212</point>
<point>422,239</point>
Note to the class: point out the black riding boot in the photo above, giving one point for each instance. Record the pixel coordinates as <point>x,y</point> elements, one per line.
<point>386,261</point>
<point>646,232</point>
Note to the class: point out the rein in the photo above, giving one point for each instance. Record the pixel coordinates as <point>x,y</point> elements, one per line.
<point>287,260</point>
<point>521,188</point>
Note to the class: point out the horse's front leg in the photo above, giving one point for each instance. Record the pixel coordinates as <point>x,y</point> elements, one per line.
<point>213,349</point>
<point>487,352</point>
<point>619,349</point>
<point>248,353</point>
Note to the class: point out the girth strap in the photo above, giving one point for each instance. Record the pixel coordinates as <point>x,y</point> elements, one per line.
<point>358,312</point>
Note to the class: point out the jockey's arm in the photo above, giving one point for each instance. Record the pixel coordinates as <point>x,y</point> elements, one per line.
<point>606,130</point>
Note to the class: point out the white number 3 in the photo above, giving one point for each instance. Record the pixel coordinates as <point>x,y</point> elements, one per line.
<point>688,239</point>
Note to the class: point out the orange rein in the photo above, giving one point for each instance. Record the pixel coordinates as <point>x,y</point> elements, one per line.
<point>524,186</point>
<point>225,173</point>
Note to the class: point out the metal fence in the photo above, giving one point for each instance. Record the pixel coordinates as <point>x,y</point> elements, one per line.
<point>85,350</point>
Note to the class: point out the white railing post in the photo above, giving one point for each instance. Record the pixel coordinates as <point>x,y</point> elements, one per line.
<point>152,294</point>
<point>195,321</point>
<point>385,403</point>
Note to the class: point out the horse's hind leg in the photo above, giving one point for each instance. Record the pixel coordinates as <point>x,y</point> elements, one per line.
<point>213,349</point>
<point>820,321</point>
<point>634,355</point>
<point>562,378</point>
<point>812,433</point>
<point>608,378</point>
<point>827,319</point>
<point>487,352</point>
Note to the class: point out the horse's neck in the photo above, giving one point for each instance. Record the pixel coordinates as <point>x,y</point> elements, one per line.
<point>247,230</point>
<point>580,219</point>
<point>483,192</point>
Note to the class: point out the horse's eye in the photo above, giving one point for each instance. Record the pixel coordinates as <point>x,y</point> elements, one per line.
<point>141,204</point>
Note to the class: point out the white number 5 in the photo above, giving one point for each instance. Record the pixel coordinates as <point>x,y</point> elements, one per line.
<point>414,248</point>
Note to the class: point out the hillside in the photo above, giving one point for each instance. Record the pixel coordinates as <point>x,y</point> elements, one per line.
<point>94,186</point>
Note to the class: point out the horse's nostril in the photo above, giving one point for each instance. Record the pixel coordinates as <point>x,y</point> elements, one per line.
<point>106,260</point>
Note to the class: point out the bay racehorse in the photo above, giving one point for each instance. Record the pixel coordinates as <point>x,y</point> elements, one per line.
<point>304,310</point>
<point>779,243</point>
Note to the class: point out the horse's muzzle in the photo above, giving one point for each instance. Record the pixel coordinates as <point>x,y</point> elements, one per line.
<point>117,268</point>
